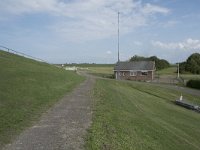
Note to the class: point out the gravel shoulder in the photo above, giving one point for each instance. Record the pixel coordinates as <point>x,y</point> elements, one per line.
<point>63,127</point>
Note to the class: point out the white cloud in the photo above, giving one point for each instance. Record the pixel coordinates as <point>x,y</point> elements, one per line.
<point>17,7</point>
<point>151,9</point>
<point>137,43</point>
<point>108,52</point>
<point>170,23</point>
<point>188,44</point>
<point>89,19</point>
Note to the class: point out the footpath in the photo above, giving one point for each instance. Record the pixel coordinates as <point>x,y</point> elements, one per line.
<point>63,127</point>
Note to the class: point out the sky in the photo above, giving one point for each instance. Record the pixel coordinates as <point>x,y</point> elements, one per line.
<point>85,31</point>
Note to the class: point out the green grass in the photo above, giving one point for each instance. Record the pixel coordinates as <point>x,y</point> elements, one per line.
<point>171,71</point>
<point>168,71</point>
<point>28,88</point>
<point>85,65</point>
<point>190,76</point>
<point>106,72</point>
<point>102,70</point>
<point>141,116</point>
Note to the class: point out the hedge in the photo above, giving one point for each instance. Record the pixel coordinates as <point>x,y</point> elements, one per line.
<point>193,84</point>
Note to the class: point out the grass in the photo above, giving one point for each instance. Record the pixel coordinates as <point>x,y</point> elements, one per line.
<point>171,71</point>
<point>86,65</point>
<point>190,76</point>
<point>141,116</point>
<point>28,88</point>
<point>168,71</point>
<point>106,72</point>
<point>102,70</point>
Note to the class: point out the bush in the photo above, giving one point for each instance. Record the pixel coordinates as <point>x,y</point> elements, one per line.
<point>193,84</point>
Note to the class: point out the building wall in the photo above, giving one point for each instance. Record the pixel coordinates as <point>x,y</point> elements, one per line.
<point>125,75</point>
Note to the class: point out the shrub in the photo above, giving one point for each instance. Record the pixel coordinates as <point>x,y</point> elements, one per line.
<point>193,84</point>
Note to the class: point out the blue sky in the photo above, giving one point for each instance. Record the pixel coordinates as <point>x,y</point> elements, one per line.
<point>85,31</point>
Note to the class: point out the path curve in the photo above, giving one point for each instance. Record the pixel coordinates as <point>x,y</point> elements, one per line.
<point>63,127</point>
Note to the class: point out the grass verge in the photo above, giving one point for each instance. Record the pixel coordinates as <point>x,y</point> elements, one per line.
<point>28,88</point>
<point>141,116</point>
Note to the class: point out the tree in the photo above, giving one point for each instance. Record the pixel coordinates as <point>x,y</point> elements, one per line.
<point>193,63</point>
<point>138,58</point>
<point>160,63</point>
<point>182,67</point>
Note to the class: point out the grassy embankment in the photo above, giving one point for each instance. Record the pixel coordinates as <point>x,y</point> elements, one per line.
<point>141,116</point>
<point>28,88</point>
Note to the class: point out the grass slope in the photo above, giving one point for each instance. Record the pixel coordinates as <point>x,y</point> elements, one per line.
<point>141,116</point>
<point>28,88</point>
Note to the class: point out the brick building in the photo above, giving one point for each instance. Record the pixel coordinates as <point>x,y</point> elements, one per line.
<point>135,70</point>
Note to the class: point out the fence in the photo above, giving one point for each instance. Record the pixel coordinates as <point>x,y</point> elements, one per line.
<point>21,54</point>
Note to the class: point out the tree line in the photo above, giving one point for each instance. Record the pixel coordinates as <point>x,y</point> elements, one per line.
<point>159,63</point>
<point>192,64</point>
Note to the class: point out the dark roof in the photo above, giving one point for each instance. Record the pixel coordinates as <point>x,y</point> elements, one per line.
<point>135,65</point>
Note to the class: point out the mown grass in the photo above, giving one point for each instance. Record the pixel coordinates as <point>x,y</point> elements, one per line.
<point>168,71</point>
<point>106,72</point>
<point>172,71</point>
<point>190,76</point>
<point>141,116</point>
<point>28,88</point>
<point>85,65</point>
<point>101,70</point>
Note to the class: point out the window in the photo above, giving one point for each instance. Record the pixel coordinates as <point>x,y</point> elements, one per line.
<point>123,73</point>
<point>133,73</point>
<point>144,73</point>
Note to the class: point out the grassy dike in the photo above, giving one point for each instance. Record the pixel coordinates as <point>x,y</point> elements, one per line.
<point>28,88</point>
<point>141,116</point>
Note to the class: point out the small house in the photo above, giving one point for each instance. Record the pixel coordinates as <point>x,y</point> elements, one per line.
<point>135,70</point>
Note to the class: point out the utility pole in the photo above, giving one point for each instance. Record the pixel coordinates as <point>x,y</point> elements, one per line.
<point>118,36</point>
<point>178,71</point>
<point>118,71</point>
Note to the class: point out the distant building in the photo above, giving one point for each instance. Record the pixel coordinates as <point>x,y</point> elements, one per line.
<point>135,70</point>
<point>71,68</point>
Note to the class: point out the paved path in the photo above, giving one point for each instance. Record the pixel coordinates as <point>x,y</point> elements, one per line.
<point>63,127</point>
